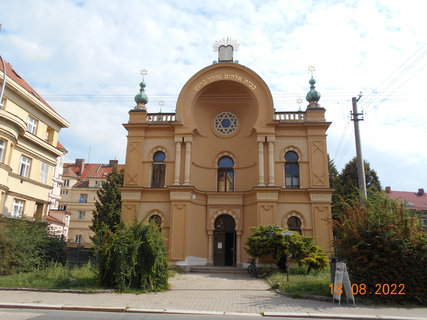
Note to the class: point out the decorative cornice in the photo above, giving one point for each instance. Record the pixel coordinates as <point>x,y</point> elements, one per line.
<point>180,195</point>
<point>131,195</point>
<point>267,196</point>
<point>320,197</point>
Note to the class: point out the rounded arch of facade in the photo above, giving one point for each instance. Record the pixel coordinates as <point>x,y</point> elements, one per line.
<point>293,214</point>
<point>156,212</point>
<point>224,154</point>
<point>225,72</point>
<point>229,212</point>
<point>156,149</point>
<point>294,149</point>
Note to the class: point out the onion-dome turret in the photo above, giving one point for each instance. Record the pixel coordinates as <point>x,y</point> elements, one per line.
<point>313,96</point>
<point>141,98</point>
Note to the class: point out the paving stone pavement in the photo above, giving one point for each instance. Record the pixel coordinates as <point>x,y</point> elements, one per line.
<point>209,292</point>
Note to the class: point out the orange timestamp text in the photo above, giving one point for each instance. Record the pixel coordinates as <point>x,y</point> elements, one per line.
<point>378,289</point>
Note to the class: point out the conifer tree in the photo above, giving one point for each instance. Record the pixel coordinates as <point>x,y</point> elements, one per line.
<point>347,181</point>
<point>106,216</point>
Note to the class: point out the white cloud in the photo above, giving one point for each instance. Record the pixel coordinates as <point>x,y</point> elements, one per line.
<point>97,48</point>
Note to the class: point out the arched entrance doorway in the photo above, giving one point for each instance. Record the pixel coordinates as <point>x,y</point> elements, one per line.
<point>225,241</point>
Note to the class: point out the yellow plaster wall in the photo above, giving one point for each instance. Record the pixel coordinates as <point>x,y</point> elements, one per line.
<point>246,95</point>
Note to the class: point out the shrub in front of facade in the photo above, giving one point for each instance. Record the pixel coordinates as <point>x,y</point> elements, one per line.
<point>27,246</point>
<point>385,249</point>
<point>270,241</point>
<point>134,257</point>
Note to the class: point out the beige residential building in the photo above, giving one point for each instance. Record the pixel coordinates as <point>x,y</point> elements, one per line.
<point>29,130</point>
<point>224,162</point>
<point>81,181</point>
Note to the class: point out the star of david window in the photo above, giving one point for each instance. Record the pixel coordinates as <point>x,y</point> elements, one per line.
<point>225,123</point>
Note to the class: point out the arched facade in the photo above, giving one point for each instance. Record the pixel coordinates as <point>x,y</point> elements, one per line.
<point>226,110</point>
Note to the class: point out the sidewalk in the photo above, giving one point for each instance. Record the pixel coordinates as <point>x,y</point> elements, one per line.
<point>207,294</point>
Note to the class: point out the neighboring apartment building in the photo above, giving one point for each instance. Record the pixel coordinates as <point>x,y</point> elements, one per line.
<point>29,130</point>
<point>81,181</point>
<point>416,201</point>
<point>224,162</point>
<point>59,220</point>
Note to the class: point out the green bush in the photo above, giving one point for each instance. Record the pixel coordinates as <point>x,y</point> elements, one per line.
<point>134,257</point>
<point>27,246</point>
<point>270,241</point>
<point>383,243</point>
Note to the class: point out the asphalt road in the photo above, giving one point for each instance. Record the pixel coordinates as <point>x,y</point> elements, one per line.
<point>29,314</point>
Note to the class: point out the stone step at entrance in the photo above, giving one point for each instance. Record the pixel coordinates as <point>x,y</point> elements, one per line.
<point>213,269</point>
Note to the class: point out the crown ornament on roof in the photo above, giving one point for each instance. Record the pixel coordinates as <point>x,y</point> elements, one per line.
<point>313,96</point>
<point>225,48</point>
<point>141,98</point>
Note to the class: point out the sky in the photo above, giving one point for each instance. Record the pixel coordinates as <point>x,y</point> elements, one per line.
<point>85,57</point>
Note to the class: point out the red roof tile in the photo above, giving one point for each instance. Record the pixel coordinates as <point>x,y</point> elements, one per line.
<point>12,74</point>
<point>90,170</point>
<point>68,172</point>
<point>418,201</point>
<point>50,218</point>
<point>61,147</point>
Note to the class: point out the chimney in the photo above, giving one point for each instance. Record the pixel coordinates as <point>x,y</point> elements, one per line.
<point>388,189</point>
<point>113,163</point>
<point>420,192</point>
<point>81,164</point>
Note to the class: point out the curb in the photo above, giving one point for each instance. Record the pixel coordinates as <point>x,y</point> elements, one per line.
<point>200,312</point>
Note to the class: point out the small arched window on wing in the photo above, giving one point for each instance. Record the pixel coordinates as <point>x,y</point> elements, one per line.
<point>158,170</point>
<point>291,170</point>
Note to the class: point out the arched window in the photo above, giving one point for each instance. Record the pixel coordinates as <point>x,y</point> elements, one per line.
<point>157,220</point>
<point>291,170</point>
<point>294,224</point>
<point>225,174</point>
<point>159,169</point>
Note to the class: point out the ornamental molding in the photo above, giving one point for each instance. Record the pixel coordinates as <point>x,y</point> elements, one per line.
<point>285,144</point>
<point>131,195</point>
<point>293,214</point>
<point>266,207</point>
<point>320,197</point>
<point>267,196</point>
<point>180,195</point>
<point>216,214</point>
<point>179,206</point>
<point>151,145</point>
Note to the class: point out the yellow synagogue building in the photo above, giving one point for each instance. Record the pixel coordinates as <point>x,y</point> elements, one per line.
<point>224,162</point>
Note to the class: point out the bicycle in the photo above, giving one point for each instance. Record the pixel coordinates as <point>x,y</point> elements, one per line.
<point>252,270</point>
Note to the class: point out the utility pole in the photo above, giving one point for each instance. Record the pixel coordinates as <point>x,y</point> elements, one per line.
<point>360,166</point>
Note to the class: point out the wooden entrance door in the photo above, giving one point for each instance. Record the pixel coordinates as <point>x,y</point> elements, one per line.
<point>225,241</point>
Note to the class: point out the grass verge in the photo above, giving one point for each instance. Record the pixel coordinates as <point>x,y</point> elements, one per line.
<point>54,277</point>
<point>300,285</point>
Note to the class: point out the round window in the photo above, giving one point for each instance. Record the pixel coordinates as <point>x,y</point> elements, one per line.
<point>225,123</point>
